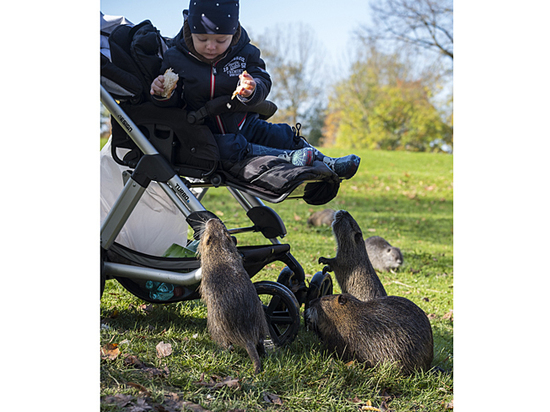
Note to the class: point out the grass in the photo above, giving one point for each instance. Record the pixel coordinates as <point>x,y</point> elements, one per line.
<point>407,198</point>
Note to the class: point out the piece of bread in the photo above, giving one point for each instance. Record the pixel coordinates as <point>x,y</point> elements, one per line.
<point>239,87</point>
<point>170,82</point>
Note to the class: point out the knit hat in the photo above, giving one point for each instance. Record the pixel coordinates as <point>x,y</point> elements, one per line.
<point>213,16</point>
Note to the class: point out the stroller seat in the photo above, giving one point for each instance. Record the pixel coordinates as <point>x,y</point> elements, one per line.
<point>183,141</point>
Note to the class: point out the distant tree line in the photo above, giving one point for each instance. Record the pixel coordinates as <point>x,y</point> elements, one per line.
<point>398,95</point>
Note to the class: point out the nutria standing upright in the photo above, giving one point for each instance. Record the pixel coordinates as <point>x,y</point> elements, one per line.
<point>389,328</point>
<point>383,256</point>
<point>235,313</point>
<point>352,267</point>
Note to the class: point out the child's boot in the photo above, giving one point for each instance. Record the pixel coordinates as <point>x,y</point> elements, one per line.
<point>345,167</point>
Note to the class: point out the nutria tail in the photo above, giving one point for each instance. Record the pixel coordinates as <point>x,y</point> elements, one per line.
<point>252,351</point>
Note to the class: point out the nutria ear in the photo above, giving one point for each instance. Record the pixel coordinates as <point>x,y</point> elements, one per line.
<point>342,299</point>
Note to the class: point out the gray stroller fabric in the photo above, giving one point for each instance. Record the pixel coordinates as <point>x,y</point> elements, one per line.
<point>272,175</point>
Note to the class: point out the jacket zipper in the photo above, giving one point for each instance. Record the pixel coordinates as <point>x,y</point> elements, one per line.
<point>212,89</point>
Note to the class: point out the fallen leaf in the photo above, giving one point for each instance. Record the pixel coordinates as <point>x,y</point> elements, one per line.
<point>141,406</point>
<point>193,407</point>
<point>133,360</point>
<point>272,398</point>
<point>448,315</point>
<point>214,384</point>
<point>110,351</point>
<point>448,405</point>
<point>350,363</point>
<point>139,387</point>
<point>119,400</point>
<point>296,217</point>
<point>164,349</point>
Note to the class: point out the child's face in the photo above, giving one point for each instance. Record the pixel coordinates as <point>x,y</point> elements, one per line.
<point>211,46</point>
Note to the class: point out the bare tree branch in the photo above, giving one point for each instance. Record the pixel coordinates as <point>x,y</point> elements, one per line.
<point>424,23</point>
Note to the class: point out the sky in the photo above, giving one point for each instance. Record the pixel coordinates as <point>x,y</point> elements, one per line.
<point>333,23</point>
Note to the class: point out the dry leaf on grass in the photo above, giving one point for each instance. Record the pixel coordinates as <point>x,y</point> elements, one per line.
<point>119,400</point>
<point>190,406</point>
<point>139,387</point>
<point>448,315</point>
<point>217,382</point>
<point>132,360</point>
<point>272,398</point>
<point>110,351</point>
<point>164,349</point>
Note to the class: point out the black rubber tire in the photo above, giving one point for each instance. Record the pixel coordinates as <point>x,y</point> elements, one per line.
<point>288,279</point>
<point>282,311</point>
<point>322,283</point>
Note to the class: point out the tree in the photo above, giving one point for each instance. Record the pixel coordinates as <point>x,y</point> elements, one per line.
<point>294,63</point>
<point>381,105</point>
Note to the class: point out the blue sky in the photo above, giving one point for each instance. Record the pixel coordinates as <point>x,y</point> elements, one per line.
<point>333,22</point>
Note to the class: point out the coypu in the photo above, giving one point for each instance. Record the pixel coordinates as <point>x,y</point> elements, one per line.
<point>352,267</point>
<point>389,328</point>
<point>383,256</point>
<point>321,217</point>
<point>235,313</point>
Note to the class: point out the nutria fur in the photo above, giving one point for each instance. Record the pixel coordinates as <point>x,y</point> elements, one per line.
<point>352,267</point>
<point>321,217</point>
<point>383,256</point>
<point>235,313</point>
<point>389,328</point>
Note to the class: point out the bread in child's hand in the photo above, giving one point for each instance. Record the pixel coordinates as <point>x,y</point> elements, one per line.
<point>170,82</point>
<point>238,89</point>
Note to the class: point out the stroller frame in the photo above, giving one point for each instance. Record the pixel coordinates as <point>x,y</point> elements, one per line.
<point>285,296</point>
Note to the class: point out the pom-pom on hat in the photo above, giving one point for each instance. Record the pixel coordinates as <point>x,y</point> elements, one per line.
<point>213,16</point>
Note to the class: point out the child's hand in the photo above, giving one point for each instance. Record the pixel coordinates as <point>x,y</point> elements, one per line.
<point>247,85</point>
<point>157,87</point>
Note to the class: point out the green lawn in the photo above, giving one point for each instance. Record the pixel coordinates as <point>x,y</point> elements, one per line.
<point>407,198</point>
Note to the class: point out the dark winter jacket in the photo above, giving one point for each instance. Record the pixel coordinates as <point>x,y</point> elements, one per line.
<point>200,81</point>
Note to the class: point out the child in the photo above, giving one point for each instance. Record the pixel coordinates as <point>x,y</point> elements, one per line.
<point>212,55</point>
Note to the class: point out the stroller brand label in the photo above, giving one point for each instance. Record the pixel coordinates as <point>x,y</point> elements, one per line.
<point>125,123</point>
<point>181,192</point>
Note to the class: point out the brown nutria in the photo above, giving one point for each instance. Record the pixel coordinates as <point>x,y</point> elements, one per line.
<point>383,256</point>
<point>352,267</point>
<point>321,217</point>
<point>235,313</point>
<point>386,329</point>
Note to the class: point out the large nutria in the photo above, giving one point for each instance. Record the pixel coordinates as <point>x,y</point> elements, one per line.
<point>352,267</point>
<point>383,256</point>
<point>384,329</point>
<point>235,313</point>
<point>321,217</point>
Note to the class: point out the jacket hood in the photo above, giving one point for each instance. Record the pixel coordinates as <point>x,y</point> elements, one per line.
<point>184,44</point>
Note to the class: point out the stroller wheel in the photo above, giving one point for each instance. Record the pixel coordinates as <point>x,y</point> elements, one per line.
<point>289,279</point>
<point>281,310</point>
<point>320,285</point>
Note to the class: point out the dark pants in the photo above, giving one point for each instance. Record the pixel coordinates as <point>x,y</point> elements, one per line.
<point>233,147</point>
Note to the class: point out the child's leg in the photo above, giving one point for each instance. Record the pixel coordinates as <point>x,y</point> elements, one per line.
<point>299,157</point>
<point>235,147</point>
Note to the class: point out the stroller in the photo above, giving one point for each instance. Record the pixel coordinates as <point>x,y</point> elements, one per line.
<point>174,148</point>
